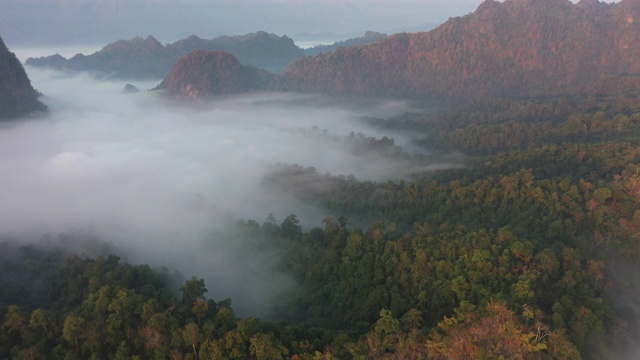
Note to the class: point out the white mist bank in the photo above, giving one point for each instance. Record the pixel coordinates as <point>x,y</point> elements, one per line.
<point>159,179</point>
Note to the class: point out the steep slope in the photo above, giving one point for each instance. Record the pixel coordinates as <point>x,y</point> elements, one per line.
<point>201,74</point>
<point>17,96</point>
<point>513,48</point>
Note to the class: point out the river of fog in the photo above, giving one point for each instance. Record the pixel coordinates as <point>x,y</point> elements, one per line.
<point>158,179</point>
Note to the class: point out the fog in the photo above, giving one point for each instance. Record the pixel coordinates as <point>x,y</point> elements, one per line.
<point>88,22</point>
<point>160,181</point>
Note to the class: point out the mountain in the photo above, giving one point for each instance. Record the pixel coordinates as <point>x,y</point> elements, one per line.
<point>259,49</point>
<point>201,74</point>
<point>515,48</point>
<point>148,58</point>
<point>17,96</point>
<point>511,48</point>
<point>137,58</point>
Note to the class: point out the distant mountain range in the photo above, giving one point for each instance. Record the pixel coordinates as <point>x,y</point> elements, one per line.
<point>515,48</point>
<point>94,22</point>
<point>511,48</point>
<point>17,96</point>
<point>148,58</point>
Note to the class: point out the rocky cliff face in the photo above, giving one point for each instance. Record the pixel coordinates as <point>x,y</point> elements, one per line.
<point>511,48</point>
<point>202,74</point>
<point>17,96</point>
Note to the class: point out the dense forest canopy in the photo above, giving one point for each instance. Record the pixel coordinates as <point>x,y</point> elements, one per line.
<point>530,251</point>
<point>527,247</point>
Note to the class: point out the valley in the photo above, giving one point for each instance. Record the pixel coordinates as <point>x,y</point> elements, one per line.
<point>470,192</point>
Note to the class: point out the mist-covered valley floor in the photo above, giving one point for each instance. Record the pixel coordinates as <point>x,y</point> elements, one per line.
<point>545,204</point>
<point>161,181</point>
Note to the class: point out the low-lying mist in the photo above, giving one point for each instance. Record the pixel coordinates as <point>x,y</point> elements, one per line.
<point>160,180</point>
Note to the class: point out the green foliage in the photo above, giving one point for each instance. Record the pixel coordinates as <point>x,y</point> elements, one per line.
<point>509,256</point>
<point>491,333</point>
<point>193,289</point>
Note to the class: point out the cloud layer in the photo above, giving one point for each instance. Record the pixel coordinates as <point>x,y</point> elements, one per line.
<point>162,180</point>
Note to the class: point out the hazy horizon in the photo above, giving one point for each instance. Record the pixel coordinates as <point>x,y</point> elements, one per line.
<point>58,22</point>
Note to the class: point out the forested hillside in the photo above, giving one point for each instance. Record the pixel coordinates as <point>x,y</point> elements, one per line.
<point>513,48</point>
<point>528,248</point>
<point>201,74</point>
<point>529,251</point>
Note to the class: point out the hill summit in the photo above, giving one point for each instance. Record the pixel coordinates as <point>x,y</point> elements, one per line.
<point>201,74</point>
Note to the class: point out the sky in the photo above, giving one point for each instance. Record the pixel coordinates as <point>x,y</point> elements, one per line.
<point>99,21</point>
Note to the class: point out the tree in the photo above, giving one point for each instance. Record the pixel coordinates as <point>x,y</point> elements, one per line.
<point>266,347</point>
<point>15,320</point>
<point>192,337</point>
<point>193,290</point>
<point>39,318</point>
<point>386,329</point>
<point>494,332</point>
<point>290,228</point>
<point>73,328</point>
<point>200,309</point>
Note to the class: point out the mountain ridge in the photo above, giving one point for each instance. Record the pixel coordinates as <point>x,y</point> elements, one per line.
<point>147,58</point>
<point>17,96</point>
<point>512,48</point>
<point>515,48</point>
